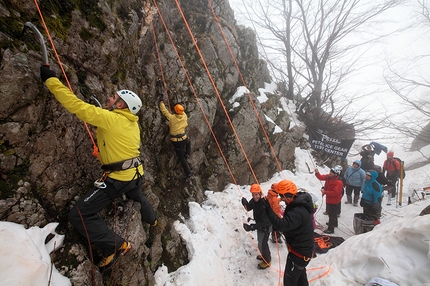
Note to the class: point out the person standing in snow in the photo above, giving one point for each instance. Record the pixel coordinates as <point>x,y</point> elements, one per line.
<point>332,189</point>
<point>391,169</point>
<point>178,122</point>
<point>298,230</point>
<point>354,177</point>
<point>118,136</point>
<point>372,197</point>
<point>367,155</point>
<point>262,224</point>
<point>274,200</point>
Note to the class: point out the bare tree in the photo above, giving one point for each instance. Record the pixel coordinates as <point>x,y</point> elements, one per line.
<point>413,89</point>
<point>310,45</point>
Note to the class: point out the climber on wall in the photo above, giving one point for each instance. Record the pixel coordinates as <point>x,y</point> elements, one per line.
<point>118,136</point>
<point>177,124</point>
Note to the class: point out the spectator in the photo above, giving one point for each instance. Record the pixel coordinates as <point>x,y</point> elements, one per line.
<point>367,154</point>
<point>372,197</point>
<point>354,178</point>
<point>391,169</point>
<point>332,189</point>
<point>262,224</point>
<point>296,225</point>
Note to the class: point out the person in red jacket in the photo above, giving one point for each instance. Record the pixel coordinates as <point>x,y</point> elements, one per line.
<point>333,191</point>
<point>391,169</point>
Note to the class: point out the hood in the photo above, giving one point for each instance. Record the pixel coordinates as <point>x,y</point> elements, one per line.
<point>302,199</point>
<point>373,176</point>
<point>358,162</point>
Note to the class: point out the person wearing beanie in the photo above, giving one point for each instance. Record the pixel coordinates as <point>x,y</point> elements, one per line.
<point>391,169</point>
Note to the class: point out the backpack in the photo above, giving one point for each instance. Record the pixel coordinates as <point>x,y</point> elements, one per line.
<point>400,162</point>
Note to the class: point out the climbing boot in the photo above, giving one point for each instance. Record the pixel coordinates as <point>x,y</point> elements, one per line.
<point>109,261</point>
<point>263,265</point>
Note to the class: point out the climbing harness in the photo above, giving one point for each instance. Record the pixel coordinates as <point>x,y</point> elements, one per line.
<point>299,255</point>
<point>122,165</point>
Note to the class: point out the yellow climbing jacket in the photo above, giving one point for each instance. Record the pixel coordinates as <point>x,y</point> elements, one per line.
<point>118,134</point>
<point>177,122</point>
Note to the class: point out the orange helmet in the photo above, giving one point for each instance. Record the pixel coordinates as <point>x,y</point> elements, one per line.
<point>274,186</point>
<point>255,188</point>
<point>286,187</point>
<point>179,109</point>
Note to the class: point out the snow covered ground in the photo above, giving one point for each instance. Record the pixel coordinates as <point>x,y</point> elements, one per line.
<point>222,253</point>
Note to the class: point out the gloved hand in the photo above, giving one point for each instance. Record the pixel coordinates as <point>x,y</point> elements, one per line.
<point>244,202</point>
<point>161,97</point>
<point>46,72</point>
<point>248,227</point>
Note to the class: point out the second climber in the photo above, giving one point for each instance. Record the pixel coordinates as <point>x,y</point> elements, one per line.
<point>178,122</point>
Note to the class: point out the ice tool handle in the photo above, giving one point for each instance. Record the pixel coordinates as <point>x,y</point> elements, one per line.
<point>41,40</point>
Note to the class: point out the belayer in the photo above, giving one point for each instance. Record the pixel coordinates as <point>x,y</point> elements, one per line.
<point>118,136</point>
<point>178,122</point>
<point>297,227</point>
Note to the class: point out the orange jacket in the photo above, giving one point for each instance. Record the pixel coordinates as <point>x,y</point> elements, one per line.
<point>333,188</point>
<point>272,198</point>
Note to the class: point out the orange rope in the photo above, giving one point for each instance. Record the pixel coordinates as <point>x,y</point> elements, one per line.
<point>244,84</point>
<point>95,149</point>
<point>215,88</point>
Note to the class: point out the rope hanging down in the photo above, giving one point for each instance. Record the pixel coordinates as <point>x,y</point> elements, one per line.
<point>244,84</point>
<point>215,89</point>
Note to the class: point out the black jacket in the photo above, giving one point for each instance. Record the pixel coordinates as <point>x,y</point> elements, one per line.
<point>296,225</point>
<point>259,208</point>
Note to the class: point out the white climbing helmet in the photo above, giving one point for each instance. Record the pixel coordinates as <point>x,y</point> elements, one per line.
<point>133,101</point>
<point>337,169</point>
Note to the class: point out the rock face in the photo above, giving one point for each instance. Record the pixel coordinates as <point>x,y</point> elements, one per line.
<point>105,46</point>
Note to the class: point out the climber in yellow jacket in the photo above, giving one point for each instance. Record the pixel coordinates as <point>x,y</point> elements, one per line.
<point>178,122</point>
<point>118,138</point>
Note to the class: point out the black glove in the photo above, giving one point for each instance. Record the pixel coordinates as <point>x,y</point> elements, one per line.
<point>244,202</point>
<point>248,227</point>
<point>46,72</point>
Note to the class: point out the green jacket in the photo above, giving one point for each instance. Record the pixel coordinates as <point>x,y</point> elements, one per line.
<point>177,122</point>
<point>118,133</point>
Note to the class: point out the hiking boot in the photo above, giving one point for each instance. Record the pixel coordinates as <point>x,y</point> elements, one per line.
<point>326,213</point>
<point>328,231</point>
<point>263,265</point>
<point>347,202</point>
<point>259,258</point>
<point>354,204</point>
<point>187,176</point>
<point>108,261</point>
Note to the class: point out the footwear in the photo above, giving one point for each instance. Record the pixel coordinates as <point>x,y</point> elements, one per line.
<point>108,261</point>
<point>187,176</point>
<point>326,213</point>
<point>263,265</point>
<point>354,204</point>
<point>328,231</point>
<point>259,258</point>
<point>347,202</point>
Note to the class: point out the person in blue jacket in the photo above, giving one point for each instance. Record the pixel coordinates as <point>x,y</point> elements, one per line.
<point>372,196</point>
<point>354,178</point>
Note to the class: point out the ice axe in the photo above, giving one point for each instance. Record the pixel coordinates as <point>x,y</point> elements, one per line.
<point>41,40</point>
